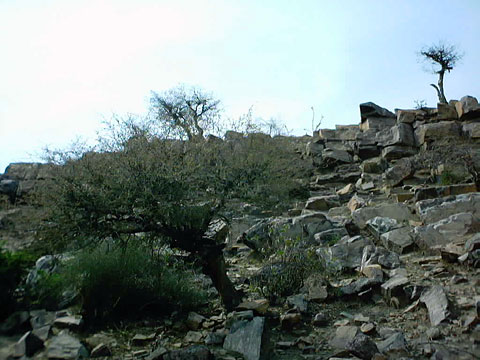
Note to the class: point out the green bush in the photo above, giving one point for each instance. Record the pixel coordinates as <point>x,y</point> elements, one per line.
<point>13,268</point>
<point>116,283</point>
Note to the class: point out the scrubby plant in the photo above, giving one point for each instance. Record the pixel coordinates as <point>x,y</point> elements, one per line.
<point>117,283</point>
<point>13,269</point>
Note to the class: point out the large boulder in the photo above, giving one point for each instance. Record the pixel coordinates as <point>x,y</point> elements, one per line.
<point>398,151</point>
<point>65,346</point>
<point>9,187</point>
<point>433,210</point>
<point>247,340</point>
<point>346,254</point>
<point>401,170</point>
<point>370,109</point>
<point>401,134</point>
<point>322,203</point>
<point>468,108</point>
<point>399,212</point>
<point>436,131</point>
<point>443,232</point>
<point>336,157</point>
<point>471,130</point>
<point>446,112</point>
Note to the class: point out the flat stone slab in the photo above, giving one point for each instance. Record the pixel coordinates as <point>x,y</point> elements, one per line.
<point>436,302</point>
<point>247,340</point>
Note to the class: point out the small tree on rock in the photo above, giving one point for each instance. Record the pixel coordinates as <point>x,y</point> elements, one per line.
<point>186,112</point>
<point>445,56</point>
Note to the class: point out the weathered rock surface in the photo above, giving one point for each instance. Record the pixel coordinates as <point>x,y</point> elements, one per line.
<point>247,340</point>
<point>399,212</point>
<point>437,304</point>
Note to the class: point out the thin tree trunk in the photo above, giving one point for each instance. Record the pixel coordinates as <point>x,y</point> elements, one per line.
<point>442,97</point>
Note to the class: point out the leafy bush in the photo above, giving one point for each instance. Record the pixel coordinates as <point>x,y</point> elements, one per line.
<point>13,268</point>
<point>120,282</point>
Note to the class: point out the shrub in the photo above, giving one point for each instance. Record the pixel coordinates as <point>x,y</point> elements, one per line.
<point>119,282</point>
<point>13,268</point>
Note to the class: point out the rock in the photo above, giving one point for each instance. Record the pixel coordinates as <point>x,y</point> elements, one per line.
<point>377,123</point>
<point>337,178</point>
<point>193,337</point>
<point>362,346</point>
<point>347,189</point>
<point>433,333</point>
<point>41,318</point>
<point>141,339</point>
<point>394,288</point>
<point>401,134</point>
<point>28,345</point>
<point>195,352</point>
<point>320,319</point>
<point>446,112</point>
<point>399,212</point>
<point>15,323</point>
<point>395,346</point>
<point>367,328</point>
<point>215,338</point>
<point>343,336</point>
<point>247,340</point>
<point>217,230</point>
<point>433,192</point>
<point>336,157</point>
<point>157,354</point>
<point>373,272</point>
<point>468,108</point>
<point>314,149</point>
<point>70,322</point>
<point>331,236</point>
<point>438,234</point>
<point>194,320</point>
<point>259,306</point>
<point>380,225</point>
<point>473,243</point>
<point>436,131</point>
<point>359,285</point>
<point>398,151</point>
<point>374,166</point>
<point>436,302</point>
<point>42,332</point>
<point>433,210</point>
<point>402,170</point>
<point>64,346</point>
<point>346,255</point>
<point>298,302</point>
<point>322,203</point>
<point>409,116</point>
<point>471,130</point>
<point>356,203</point>
<point>378,255</point>
<point>370,109</point>
<point>291,320</point>
<point>9,187</point>
<point>398,240</point>
<point>101,350</point>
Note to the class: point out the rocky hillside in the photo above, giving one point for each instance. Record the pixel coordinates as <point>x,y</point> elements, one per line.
<point>392,228</point>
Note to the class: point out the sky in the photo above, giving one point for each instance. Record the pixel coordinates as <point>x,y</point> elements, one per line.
<point>66,66</point>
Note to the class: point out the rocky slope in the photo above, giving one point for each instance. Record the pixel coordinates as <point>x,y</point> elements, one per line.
<point>394,219</point>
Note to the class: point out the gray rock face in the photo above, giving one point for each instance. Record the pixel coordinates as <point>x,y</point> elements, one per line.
<point>398,240</point>
<point>436,302</point>
<point>380,225</point>
<point>379,256</point>
<point>374,166</point>
<point>377,123</point>
<point>402,170</point>
<point>444,231</point>
<point>471,130</point>
<point>436,131</point>
<point>247,340</point>
<point>395,346</point>
<point>64,346</point>
<point>446,112</point>
<point>399,212</point>
<point>9,187</point>
<point>398,151</point>
<point>363,347</point>
<point>401,134</point>
<point>345,255</point>
<point>336,157</point>
<point>343,336</point>
<point>394,287</point>
<point>433,210</point>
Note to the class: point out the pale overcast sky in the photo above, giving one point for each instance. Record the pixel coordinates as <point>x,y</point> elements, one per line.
<point>66,65</point>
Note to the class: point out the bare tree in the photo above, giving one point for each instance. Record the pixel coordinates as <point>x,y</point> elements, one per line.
<point>188,112</point>
<point>445,56</point>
